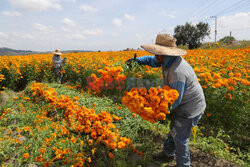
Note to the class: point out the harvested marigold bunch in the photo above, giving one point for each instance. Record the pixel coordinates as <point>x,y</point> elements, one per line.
<point>152,105</point>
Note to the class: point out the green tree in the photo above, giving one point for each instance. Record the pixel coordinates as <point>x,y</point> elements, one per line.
<point>191,35</point>
<point>227,39</point>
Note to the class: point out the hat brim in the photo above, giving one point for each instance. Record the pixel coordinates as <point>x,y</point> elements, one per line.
<point>163,50</point>
<point>57,53</point>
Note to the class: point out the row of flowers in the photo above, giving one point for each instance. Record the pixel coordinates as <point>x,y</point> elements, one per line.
<point>99,127</point>
<point>1,79</point>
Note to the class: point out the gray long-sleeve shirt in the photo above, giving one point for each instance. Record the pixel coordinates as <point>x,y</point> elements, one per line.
<point>193,100</point>
<point>179,75</point>
<point>57,61</point>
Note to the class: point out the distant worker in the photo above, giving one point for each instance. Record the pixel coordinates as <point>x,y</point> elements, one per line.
<point>58,61</point>
<point>190,105</point>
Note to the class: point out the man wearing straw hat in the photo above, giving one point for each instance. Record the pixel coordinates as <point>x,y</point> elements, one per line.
<point>188,108</point>
<point>58,61</point>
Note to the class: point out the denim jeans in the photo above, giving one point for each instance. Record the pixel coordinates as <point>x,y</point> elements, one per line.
<point>58,75</point>
<point>177,141</point>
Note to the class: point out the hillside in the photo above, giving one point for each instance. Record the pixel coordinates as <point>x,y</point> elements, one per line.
<point>12,52</point>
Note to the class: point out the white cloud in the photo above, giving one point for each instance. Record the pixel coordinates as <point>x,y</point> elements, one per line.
<point>11,13</point>
<point>75,36</point>
<point>88,8</point>
<point>115,34</point>
<point>69,22</point>
<point>43,28</point>
<point>237,21</point>
<point>162,13</point>
<point>165,13</point>
<point>27,36</point>
<point>66,29</point>
<point>117,22</point>
<point>23,36</point>
<point>138,36</point>
<point>3,35</point>
<point>73,1</point>
<point>129,17</point>
<point>94,31</point>
<point>171,16</point>
<point>35,5</point>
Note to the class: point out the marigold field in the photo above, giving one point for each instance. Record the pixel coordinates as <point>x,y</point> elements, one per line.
<point>97,116</point>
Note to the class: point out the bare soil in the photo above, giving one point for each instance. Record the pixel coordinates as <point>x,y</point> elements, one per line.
<point>198,159</point>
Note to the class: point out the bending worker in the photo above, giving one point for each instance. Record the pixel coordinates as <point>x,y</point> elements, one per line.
<point>188,108</point>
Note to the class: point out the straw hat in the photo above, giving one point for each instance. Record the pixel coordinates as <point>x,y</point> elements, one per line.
<point>57,52</point>
<point>164,45</point>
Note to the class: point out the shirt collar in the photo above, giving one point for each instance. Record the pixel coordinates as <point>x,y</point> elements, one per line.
<point>168,61</point>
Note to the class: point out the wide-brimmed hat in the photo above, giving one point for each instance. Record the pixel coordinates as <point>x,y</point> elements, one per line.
<point>57,52</point>
<point>164,45</point>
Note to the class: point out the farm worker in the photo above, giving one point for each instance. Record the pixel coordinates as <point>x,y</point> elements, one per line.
<point>58,61</point>
<point>190,105</point>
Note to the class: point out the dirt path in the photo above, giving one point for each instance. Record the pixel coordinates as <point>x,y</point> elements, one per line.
<point>198,159</point>
<point>6,96</point>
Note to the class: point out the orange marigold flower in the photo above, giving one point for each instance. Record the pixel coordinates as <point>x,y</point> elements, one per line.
<point>134,115</point>
<point>153,91</point>
<point>90,142</point>
<point>161,116</point>
<point>42,150</point>
<point>113,145</point>
<point>111,155</point>
<point>121,145</point>
<point>73,139</point>
<point>230,88</point>
<point>26,155</point>
<point>26,128</point>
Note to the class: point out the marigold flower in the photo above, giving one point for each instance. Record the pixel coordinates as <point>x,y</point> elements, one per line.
<point>111,155</point>
<point>26,155</point>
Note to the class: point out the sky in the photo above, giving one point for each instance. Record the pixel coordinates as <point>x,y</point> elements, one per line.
<point>46,25</point>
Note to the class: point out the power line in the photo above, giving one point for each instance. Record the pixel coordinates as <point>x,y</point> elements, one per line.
<point>206,7</point>
<point>200,8</point>
<point>230,8</point>
<point>200,5</point>
<point>237,9</point>
<point>238,28</point>
<point>242,4</point>
<point>205,11</point>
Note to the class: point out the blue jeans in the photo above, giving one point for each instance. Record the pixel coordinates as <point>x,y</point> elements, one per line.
<point>177,141</point>
<point>58,75</point>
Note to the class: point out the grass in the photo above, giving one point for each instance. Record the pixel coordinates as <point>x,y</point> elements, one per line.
<point>15,141</point>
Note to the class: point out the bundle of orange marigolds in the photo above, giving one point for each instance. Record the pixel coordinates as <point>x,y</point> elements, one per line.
<point>153,104</point>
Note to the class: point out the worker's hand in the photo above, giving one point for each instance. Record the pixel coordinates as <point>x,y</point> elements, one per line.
<point>128,62</point>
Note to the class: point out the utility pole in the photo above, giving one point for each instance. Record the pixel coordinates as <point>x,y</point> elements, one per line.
<point>215,31</point>
<point>230,33</point>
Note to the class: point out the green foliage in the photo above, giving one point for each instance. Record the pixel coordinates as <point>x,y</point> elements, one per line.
<point>147,137</point>
<point>230,115</point>
<point>191,35</point>
<point>227,39</point>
